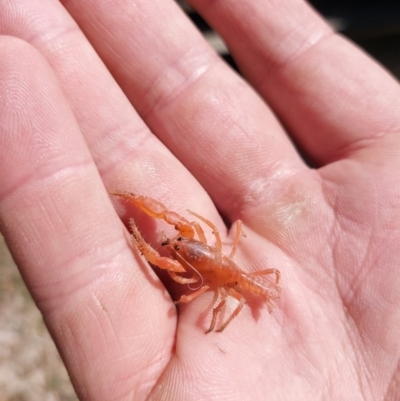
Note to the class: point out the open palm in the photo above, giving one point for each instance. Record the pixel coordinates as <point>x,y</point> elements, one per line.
<point>142,104</point>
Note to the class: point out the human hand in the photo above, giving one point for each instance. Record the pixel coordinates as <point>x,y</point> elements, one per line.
<point>69,131</point>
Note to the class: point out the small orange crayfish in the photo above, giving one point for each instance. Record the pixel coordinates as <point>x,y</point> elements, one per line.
<point>209,265</point>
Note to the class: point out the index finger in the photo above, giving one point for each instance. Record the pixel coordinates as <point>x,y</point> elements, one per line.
<point>68,242</point>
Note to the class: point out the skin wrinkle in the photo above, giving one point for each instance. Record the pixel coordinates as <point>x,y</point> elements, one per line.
<point>95,318</point>
<point>321,260</point>
<point>393,385</point>
<point>364,381</point>
<point>281,66</point>
<point>52,36</point>
<point>68,292</point>
<point>66,328</point>
<point>299,337</point>
<point>68,336</point>
<point>127,375</point>
<point>284,47</point>
<point>213,102</point>
<point>144,386</point>
<point>243,160</point>
<point>160,381</point>
<point>355,339</point>
<point>27,178</point>
<point>47,201</point>
<point>116,337</point>
<point>304,365</point>
<point>72,260</point>
<point>187,81</point>
<point>334,371</point>
<point>123,151</point>
<point>359,273</point>
<point>368,346</point>
<point>350,150</point>
<point>179,60</point>
<point>130,393</point>
<point>357,276</point>
<point>41,151</point>
<point>363,271</point>
<point>362,365</point>
<point>42,29</point>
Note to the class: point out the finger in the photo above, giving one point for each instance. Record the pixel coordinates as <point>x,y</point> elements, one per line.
<point>128,156</point>
<point>333,98</point>
<point>68,242</point>
<point>212,121</point>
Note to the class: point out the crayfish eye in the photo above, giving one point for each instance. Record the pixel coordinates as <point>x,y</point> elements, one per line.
<point>180,239</point>
<point>177,247</point>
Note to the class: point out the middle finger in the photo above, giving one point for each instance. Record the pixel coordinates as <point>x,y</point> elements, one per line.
<point>204,112</point>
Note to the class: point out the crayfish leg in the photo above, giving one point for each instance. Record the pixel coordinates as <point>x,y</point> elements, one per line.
<point>239,232</point>
<point>267,271</point>
<point>213,227</point>
<point>151,254</point>
<point>191,297</point>
<point>241,299</point>
<point>224,294</point>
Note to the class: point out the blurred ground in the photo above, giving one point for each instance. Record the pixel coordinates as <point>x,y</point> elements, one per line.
<point>30,367</point>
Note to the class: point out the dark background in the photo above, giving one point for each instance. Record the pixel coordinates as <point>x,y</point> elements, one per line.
<point>373,25</point>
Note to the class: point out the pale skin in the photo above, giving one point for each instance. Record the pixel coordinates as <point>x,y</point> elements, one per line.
<point>68,133</point>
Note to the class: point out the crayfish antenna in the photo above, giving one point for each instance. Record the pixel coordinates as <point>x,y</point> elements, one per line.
<point>196,271</point>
